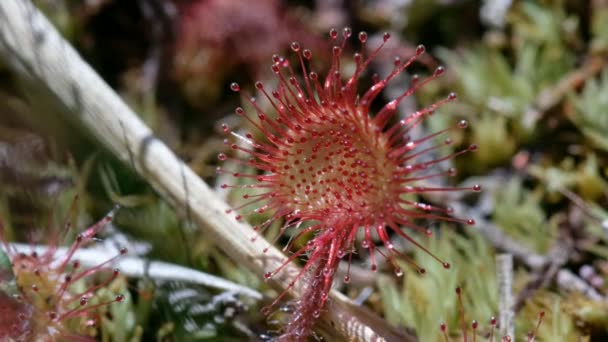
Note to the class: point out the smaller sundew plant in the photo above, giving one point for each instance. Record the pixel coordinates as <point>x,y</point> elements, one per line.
<point>463,325</point>
<point>42,294</point>
<point>488,335</point>
<point>328,166</point>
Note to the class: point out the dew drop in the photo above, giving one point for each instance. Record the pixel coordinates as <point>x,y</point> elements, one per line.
<point>493,320</point>
<point>443,327</point>
<point>452,96</point>
<point>386,36</point>
<point>452,172</point>
<point>463,124</point>
<point>420,49</point>
<point>439,71</point>
<point>337,50</point>
<point>259,85</point>
<point>235,87</point>
<point>267,275</point>
<point>471,222</point>
<point>397,62</point>
<point>120,298</point>
<point>446,265</point>
<point>474,324</point>
<point>473,147</point>
<point>398,271</point>
<point>307,54</point>
<point>346,279</point>
<point>222,156</point>
<point>363,37</point>
<point>316,313</point>
<point>333,33</point>
<point>347,32</point>
<point>295,46</point>
<point>476,187</point>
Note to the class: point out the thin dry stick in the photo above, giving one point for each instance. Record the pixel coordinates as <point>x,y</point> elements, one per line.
<point>552,95</point>
<point>49,67</point>
<point>566,280</point>
<point>504,270</point>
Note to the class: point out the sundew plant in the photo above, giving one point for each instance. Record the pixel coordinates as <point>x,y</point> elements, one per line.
<point>329,161</point>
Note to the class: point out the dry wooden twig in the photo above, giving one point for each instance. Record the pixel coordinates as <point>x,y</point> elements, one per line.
<point>504,270</point>
<point>50,68</point>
